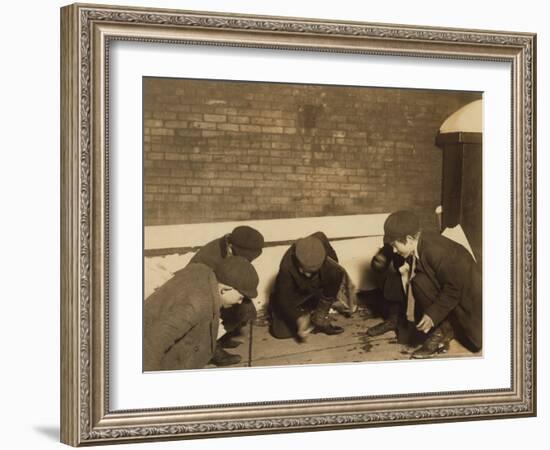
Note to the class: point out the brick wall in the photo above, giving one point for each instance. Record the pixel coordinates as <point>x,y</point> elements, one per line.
<point>223,151</point>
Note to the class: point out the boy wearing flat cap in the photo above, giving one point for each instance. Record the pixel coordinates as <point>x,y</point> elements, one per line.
<point>307,285</point>
<point>181,318</point>
<point>443,295</point>
<point>246,242</point>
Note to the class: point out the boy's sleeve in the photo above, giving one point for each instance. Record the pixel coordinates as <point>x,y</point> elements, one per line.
<point>161,334</point>
<point>451,275</point>
<point>285,295</point>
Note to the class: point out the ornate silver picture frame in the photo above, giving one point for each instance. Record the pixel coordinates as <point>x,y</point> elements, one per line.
<point>88,416</point>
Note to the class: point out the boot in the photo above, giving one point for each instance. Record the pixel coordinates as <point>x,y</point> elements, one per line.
<point>383,327</point>
<point>221,358</point>
<point>321,320</point>
<point>390,324</point>
<point>227,341</point>
<point>437,342</point>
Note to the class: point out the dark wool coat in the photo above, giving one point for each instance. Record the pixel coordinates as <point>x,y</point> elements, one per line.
<point>292,288</point>
<point>212,253</point>
<point>181,320</point>
<point>454,284</point>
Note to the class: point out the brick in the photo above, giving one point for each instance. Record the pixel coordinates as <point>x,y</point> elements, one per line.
<point>304,169</point>
<point>203,125</point>
<point>190,117</point>
<point>279,200</point>
<point>243,183</point>
<point>177,108</point>
<point>252,176</point>
<point>280,153</point>
<point>161,132</point>
<point>221,183</point>
<point>226,174</point>
<point>197,182</point>
<point>176,157</point>
<point>292,161</point>
<point>281,145</point>
<point>322,155</point>
<point>164,115</point>
<point>261,121</point>
<point>295,177</point>
<point>351,186</point>
<point>215,118</point>
<point>251,128</point>
<point>176,124</point>
<point>325,171</point>
<point>153,123</point>
<point>167,99</point>
<point>273,130</point>
<point>228,127</point>
<point>188,198</point>
<point>154,156</point>
<point>201,157</point>
<point>210,134</point>
<point>239,120</point>
<point>274,114</point>
<point>285,123</point>
<point>226,111</point>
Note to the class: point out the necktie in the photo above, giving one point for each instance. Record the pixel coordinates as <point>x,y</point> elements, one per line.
<point>410,296</point>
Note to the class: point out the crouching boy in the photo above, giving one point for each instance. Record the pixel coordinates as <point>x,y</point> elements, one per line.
<point>181,318</point>
<point>443,295</point>
<point>243,241</point>
<point>306,287</point>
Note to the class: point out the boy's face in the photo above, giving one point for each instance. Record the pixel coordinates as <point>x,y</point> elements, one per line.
<point>230,297</point>
<point>304,272</point>
<point>405,247</point>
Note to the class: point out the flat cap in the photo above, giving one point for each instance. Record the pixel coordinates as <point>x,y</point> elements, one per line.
<point>399,225</point>
<point>238,273</point>
<point>246,242</point>
<point>310,253</point>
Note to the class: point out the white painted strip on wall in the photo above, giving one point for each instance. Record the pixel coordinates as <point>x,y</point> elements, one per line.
<point>274,230</point>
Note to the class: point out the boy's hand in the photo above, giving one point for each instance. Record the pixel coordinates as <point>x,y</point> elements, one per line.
<point>379,262</point>
<point>382,259</point>
<point>304,326</point>
<point>425,324</point>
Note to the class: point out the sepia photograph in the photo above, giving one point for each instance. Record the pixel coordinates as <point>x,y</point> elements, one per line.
<point>297,224</point>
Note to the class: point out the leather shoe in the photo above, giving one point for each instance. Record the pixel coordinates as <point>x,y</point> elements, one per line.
<point>227,341</point>
<point>381,328</point>
<point>328,329</point>
<point>437,342</point>
<point>221,358</point>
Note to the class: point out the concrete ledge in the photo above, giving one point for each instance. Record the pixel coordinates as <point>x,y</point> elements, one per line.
<point>274,230</point>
